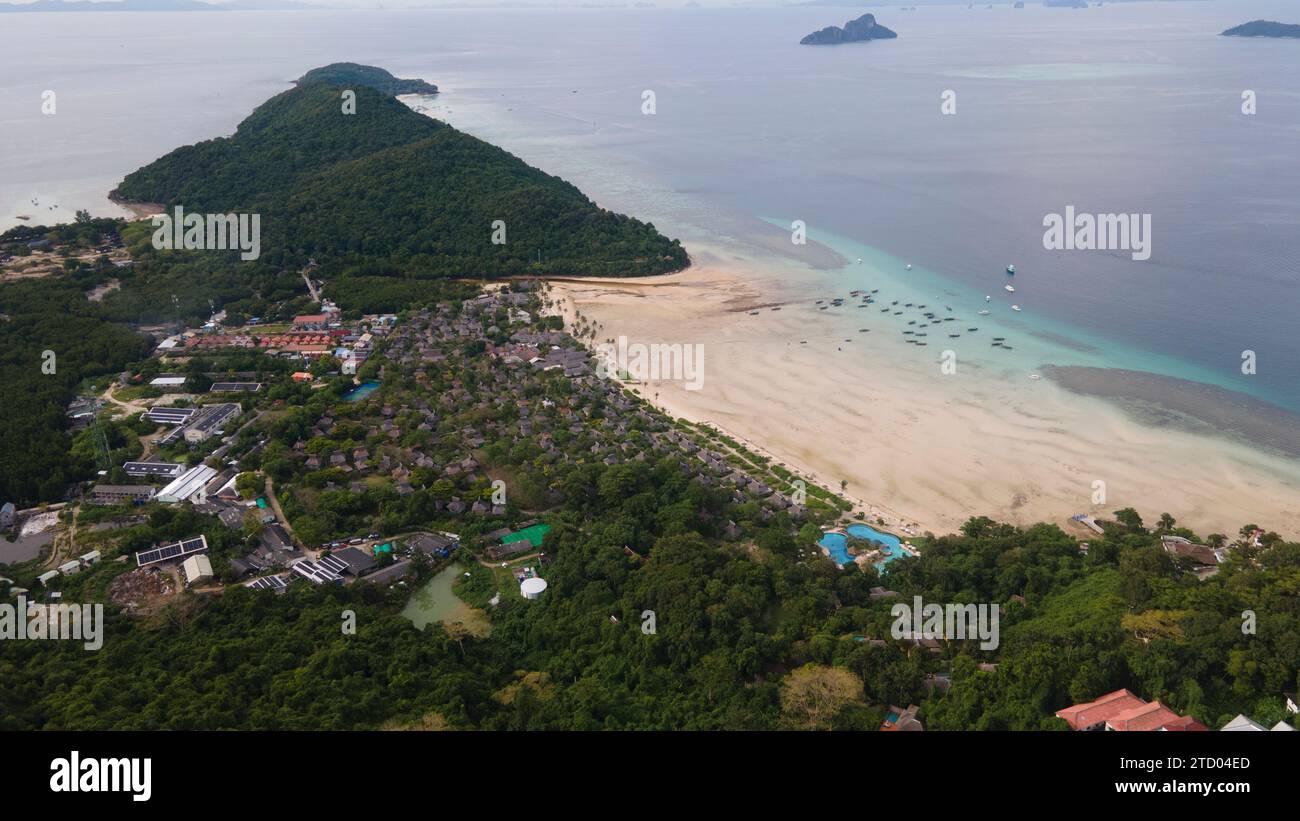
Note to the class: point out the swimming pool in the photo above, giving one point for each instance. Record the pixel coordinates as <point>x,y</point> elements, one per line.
<point>838,546</point>
<point>360,392</point>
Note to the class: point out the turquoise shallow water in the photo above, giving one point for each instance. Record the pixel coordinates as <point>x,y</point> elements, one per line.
<point>1035,338</point>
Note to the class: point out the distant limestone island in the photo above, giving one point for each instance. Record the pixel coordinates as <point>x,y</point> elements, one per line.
<point>355,74</point>
<point>1264,28</point>
<point>855,31</point>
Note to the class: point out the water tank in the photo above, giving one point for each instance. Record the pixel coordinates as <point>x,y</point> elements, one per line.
<point>532,588</point>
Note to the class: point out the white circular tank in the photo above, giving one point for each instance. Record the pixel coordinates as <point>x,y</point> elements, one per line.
<point>532,588</point>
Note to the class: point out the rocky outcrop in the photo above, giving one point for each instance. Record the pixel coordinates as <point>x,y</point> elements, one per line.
<point>854,31</point>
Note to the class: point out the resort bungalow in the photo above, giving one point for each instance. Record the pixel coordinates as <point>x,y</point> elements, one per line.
<point>900,720</point>
<point>1122,711</point>
<point>1203,559</point>
<point>47,577</point>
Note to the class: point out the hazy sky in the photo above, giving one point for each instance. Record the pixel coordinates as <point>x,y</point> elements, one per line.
<point>397,4</point>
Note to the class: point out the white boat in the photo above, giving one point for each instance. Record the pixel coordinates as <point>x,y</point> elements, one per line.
<point>1010,289</point>
<point>1015,307</point>
<point>1034,376</point>
<point>909,265</point>
<point>988,298</point>
<point>1011,269</point>
<point>984,313</point>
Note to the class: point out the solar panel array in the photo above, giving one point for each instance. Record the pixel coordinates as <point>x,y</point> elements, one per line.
<point>177,550</point>
<point>229,387</point>
<point>333,564</point>
<point>169,416</point>
<point>214,416</point>
<point>315,573</point>
<point>276,583</point>
<point>171,469</point>
<point>175,434</point>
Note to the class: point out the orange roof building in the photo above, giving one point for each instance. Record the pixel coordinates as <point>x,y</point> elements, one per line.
<point>1122,711</point>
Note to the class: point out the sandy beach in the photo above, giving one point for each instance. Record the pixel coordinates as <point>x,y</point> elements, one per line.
<point>915,445</point>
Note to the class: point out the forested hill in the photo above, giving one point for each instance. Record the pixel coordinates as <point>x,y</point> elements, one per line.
<point>348,74</point>
<point>387,191</point>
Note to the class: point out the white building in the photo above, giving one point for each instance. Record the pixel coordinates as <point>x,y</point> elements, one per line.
<point>188,486</point>
<point>168,383</point>
<point>1243,724</point>
<point>68,568</point>
<point>197,569</point>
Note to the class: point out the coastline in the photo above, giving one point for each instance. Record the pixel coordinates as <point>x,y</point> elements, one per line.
<point>590,289</point>
<point>921,452</point>
<point>138,210</point>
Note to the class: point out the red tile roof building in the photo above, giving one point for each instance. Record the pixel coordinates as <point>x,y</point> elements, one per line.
<point>1121,711</point>
<point>310,321</point>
